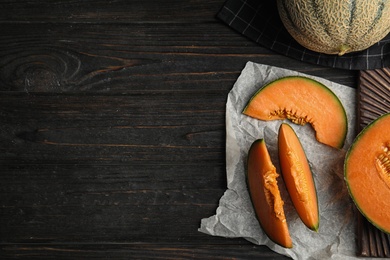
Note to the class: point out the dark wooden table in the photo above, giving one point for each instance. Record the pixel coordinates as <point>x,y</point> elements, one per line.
<point>112,131</point>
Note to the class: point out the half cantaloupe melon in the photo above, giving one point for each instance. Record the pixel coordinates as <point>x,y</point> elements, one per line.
<point>265,194</point>
<point>298,177</point>
<point>367,172</point>
<point>302,100</point>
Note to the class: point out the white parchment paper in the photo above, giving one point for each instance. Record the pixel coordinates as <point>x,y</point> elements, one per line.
<point>235,216</point>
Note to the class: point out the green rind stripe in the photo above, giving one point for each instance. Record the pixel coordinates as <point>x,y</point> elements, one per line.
<point>378,16</point>
<point>352,17</point>
<point>320,18</point>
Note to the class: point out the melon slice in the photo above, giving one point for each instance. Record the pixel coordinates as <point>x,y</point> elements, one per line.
<point>302,100</point>
<point>297,176</point>
<point>367,172</point>
<point>265,194</point>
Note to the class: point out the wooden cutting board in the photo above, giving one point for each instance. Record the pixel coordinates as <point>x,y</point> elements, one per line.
<point>373,101</point>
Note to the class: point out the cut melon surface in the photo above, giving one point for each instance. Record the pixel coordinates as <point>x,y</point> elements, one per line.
<point>265,194</point>
<point>298,177</point>
<point>302,100</point>
<point>367,172</point>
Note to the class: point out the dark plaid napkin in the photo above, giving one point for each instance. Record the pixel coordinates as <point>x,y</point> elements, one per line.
<point>259,21</point>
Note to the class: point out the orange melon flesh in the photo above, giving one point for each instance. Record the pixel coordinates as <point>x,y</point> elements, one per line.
<point>298,177</point>
<point>302,100</point>
<point>265,194</point>
<point>367,172</point>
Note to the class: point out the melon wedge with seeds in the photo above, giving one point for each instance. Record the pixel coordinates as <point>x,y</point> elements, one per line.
<point>265,194</point>
<point>302,100</point>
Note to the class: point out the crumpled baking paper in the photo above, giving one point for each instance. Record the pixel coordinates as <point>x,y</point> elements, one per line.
<point>235,215</point>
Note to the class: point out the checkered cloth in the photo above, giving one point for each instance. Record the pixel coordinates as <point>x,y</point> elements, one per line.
<point>259,21</point>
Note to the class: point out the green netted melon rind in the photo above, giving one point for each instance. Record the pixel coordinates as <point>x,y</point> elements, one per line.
<point>336,27</point>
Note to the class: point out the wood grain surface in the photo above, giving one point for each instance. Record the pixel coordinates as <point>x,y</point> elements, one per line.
<point>112,127</point>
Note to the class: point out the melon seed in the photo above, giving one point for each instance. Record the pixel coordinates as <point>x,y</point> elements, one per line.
<point>383,164</point>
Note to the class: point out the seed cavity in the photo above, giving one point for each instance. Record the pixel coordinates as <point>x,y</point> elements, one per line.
<point>298,175</point>
<point>382,163</point>
<point>291,115</point>
<point>272,194</point>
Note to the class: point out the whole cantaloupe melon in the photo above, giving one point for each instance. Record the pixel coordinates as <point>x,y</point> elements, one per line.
<point>336,26</point>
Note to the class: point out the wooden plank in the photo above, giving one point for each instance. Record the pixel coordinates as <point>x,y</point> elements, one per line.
<point>118,11</point>
<point>120,168</point>
<point>240,250</point>
<point>122,204</point>
<point>106,58</point>
<point>141,128</point>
